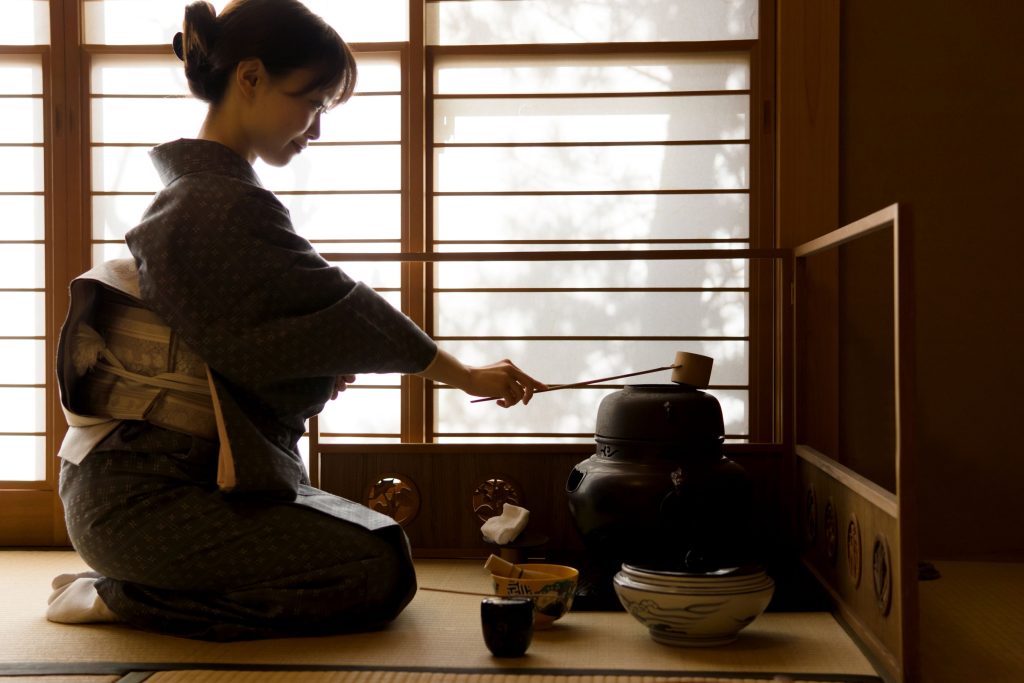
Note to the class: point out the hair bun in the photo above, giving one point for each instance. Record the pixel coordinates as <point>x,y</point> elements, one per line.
<point>198,37</point>
<point>200,32</point>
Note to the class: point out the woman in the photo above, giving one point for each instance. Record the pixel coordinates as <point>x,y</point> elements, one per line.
<point>189,374</point>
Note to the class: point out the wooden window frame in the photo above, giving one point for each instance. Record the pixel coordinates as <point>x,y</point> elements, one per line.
<point>69,234</point>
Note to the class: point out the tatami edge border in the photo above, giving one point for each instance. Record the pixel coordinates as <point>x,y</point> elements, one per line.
<point>124,668</point>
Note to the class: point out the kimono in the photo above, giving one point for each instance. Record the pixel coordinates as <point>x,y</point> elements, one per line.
<point>220,535</point>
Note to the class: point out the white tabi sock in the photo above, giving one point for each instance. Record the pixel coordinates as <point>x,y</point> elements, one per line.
<point>76,601</point>
<point>63,580</point>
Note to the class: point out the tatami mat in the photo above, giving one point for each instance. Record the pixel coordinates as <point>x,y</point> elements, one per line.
<point>414,677</point>
<point>972,623</point>
<point>67,679</point>
<point>437,632</point>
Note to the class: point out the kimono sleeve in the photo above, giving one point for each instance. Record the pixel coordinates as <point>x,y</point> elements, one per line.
<point>256,301</point>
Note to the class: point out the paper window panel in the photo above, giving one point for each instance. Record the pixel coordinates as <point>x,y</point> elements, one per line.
<point>393,298</point>
<point>379,72</point>
<point>106,251</point>
<point>138,74</point>
<point>364,411</point>
<point>22,410</point>
<point>362,439</point>
<point>573,314</point>
<point>487,22</point>
<point>25,22</point>
<point>133,22</point>
<point>22,266</point>
<point>337,167</point>
<point>593,74</point>
<point>114,215</point>
<point>558,412</point>
<point>21,169</point>
<point>303,446</point>
<point>508,439</point>
<point>20,74</point>
<point>154,22</point>
<point>591,119</point>
<point>22,458</point>
<point>23,120</point>
<point>582,169</point>
<point>591,217</point>
<point>149,121</point>
<point>364,118</point>
<point>362,22</point>
<point>346,216</point>
<point>565,361</point>
<point>570,414</point>
<point>632,273</point>
<point>23,217</point>
<point>24,314</point>
<point>376,274</point>
<point>23,361</point>
<point>124,169</point>
<point>735,405</point>
<point>582,248</point>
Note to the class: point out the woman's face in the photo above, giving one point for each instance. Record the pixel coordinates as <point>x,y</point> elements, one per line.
<point>286,116</point>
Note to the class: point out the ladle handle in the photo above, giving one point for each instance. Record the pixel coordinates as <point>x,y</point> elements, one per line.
<point>556,387</point>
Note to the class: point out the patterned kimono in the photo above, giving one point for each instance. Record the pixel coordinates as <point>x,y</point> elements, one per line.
<point>268,555</point>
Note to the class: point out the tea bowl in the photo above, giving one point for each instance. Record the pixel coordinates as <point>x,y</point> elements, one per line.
<point>552,596</point>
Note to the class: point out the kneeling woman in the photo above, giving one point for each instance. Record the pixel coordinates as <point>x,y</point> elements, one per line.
<point>188,373</point>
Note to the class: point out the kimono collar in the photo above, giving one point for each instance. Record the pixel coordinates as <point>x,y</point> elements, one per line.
<point>182,157</point>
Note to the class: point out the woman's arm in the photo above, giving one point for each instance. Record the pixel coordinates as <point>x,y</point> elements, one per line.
<point>502,380</point>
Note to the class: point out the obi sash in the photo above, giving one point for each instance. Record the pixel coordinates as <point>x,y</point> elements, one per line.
<point>117,360</point>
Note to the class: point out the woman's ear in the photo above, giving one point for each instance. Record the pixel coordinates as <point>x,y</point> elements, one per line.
<point>249,75</point>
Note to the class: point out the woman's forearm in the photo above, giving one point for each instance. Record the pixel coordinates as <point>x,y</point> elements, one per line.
<point>501,380</point>
<point>446,369</point>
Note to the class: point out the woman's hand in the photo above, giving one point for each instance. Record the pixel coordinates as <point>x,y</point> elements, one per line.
<point>341,383</point>
<point>501,380</point>
<point>504,381</point>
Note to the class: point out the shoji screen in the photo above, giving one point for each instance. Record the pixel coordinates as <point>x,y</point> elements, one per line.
<point>24,55</point>
<point>572,128</point>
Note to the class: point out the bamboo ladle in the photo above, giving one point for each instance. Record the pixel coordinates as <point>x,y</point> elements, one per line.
<point>691,369</point>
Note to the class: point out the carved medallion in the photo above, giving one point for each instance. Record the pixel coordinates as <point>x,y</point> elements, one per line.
<point>831,531</point>
<point>395,496</point>
<point>882,568</point>
<point>853,550</point>
<point>490,497</point>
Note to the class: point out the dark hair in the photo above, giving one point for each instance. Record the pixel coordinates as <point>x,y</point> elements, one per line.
<point>283,34</point>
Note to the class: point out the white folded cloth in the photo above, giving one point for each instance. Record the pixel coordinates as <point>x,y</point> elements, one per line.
<point>504,528</point>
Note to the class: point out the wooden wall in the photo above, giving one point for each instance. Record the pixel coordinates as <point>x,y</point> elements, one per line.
<point>930,116</point>
<point>448,484</point>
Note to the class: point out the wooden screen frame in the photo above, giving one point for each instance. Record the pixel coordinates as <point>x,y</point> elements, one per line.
<point>868,522</point>
<point>31,513</point>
